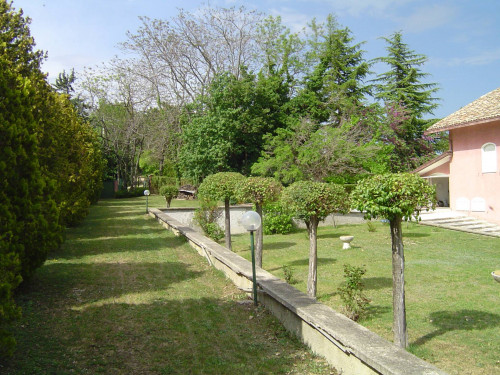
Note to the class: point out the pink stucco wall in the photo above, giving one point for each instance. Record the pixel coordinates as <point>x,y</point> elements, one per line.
<point>467,182</point>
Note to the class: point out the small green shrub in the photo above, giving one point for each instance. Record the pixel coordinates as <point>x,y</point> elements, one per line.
<point>130,193</point>
<point>277,219</point>
<point>206,217</point>
<point>288,274</point>
<point>351,292</point>
<point>169,192</point>
<point>371,226</point>
<point>158,181</point>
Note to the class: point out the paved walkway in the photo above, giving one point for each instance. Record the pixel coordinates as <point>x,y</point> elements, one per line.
<point>446,218</point>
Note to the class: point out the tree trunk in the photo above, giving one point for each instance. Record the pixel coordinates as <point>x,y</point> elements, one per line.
<point>312,279</point>
<point>227,219</point>
<point>259,238</point>
<point>398,285</point>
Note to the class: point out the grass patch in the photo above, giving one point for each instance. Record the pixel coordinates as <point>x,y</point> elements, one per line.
<point>124,296</point>
<point>452,302</point>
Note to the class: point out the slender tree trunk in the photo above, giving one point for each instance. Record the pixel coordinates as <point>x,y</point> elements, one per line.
<point>398,285</point>
<point>259,238</point>
<point>312,279</point>
<point>227,219</point>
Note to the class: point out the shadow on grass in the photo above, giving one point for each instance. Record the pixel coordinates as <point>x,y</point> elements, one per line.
<point>415,235</point>
<point>322,236</point>
<point>305,262</point>
<point>468,320</point>
<point>375,310</point>
<point>278,245</point>
<point>376,283</point>
<point>112,241</point>
<point>188,336</point>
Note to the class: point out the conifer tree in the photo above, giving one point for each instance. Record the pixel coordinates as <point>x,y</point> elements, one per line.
<point>403,90</point>
<point>334,88</point>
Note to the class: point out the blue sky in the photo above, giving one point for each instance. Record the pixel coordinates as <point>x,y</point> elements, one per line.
<point>461,38</point>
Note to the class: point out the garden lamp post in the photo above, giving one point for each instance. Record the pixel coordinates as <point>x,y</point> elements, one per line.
<point>251,222</point>
<point>146,193</point>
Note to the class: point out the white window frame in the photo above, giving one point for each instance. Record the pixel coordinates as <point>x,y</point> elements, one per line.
<point>489,159</point>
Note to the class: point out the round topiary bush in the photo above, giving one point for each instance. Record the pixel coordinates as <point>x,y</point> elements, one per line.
<point>169,192</point>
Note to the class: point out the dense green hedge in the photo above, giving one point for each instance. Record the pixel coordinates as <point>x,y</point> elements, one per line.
<point>50,164</point>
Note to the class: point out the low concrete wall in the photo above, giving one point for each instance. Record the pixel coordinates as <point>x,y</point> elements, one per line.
<point>185,216</point>
<point>349,347</point>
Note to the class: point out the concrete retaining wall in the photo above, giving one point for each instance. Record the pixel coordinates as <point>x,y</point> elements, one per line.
<point>349,347</point>
<point>185,216</point>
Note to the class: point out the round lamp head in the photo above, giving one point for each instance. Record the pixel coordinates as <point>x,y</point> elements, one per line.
<point>251,220</point>
<point>146,192</point>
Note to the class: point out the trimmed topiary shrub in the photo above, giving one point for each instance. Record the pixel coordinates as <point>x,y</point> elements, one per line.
<point>169,192</point>
<point>222,187</point>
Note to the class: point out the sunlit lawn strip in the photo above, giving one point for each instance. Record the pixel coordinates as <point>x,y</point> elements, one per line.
<point>452,302</point>
<point>124,296</point>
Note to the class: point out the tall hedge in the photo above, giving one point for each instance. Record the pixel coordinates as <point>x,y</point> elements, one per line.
<point>50,166</point>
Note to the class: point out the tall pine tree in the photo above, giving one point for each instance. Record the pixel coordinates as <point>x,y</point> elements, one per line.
<point>404,91</point>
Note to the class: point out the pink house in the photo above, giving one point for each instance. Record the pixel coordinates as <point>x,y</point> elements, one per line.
<point>467,177</point>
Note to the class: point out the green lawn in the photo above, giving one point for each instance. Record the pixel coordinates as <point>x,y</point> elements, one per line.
<point>452,302</point>
<point>124,296</point>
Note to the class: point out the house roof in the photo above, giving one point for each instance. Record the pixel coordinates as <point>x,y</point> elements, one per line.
<point>484,109</point>
<point>444,158</point>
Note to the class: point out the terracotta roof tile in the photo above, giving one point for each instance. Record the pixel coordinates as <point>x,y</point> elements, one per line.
<point>486,108</point>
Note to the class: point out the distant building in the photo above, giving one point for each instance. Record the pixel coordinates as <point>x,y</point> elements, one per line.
<point>467,177</point>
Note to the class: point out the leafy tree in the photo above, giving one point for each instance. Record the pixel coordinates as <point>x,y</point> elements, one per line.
<point>307,150</point>
<point>259,191</point>
<point>312,202</point>
<point>395,197</point>
<point>169,192</point>
<point>227,131</point>
<point>222,187</point>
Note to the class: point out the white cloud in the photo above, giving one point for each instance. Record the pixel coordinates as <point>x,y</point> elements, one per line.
<point>481,59</point>
<point>293,19</point>
<point>427,18</point>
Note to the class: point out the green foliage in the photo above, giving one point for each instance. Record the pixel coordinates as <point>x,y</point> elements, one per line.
<point>334,87</point>
<point>393,195</point>
<point>314,200</point>
<point>277,219</point>
<point>159,181</point>
<point>226,134</point>
<point>371,227</point>
<point>169,192</point>
<point>258,190</point>
<point>288,274</point>
<point>29,219</point>
<point>308,150</point>
<point>207,216</point>
<point>70,155</point>
<point>351,292</point>
<point>220,186</point>
<point>130,193</point>
<point>402,83</point>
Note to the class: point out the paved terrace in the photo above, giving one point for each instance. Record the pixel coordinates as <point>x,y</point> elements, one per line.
<point>448,219</point>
